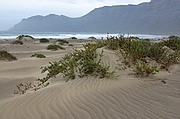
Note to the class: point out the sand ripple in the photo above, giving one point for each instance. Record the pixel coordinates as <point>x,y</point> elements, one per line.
<point>91,98</point>
<point>99,99</point>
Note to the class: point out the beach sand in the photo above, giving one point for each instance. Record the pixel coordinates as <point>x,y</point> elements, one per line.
<point>125,97</point>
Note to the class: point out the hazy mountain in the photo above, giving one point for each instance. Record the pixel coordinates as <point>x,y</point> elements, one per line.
<point>155,17</point>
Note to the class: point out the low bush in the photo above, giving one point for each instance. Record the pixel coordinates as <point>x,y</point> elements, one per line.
<point>73,38</point>
<point>70,44</point>
<point>114,43</point>
<point>4,55</point>
<point>62,42</point>
<point>133,37</point>
<point>173,42</point>
<point>43,40</point>
<point>169,59</point>
<point>144,69</point>
<point>54,47</point>
<point>165,53</point>
<point>17,42</point>
<point>173,37</point>
<point>20,37</point>
<point>38,55</point>
<point>80,63</point>
<point>92,37</point>
<point>136,49</point>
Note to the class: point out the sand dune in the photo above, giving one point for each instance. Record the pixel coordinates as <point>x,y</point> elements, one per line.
<point>99,99</point>
<point>126,97</point>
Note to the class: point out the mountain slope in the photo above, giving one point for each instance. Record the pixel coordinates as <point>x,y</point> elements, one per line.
<point>155,17</point>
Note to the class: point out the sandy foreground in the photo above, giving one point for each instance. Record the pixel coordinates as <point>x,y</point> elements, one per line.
<point>126,97</point>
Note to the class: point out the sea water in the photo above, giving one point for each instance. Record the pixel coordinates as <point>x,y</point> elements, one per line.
<point>60,35</point>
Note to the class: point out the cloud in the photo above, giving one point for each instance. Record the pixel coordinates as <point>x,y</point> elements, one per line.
<point>30,5</point>
<point>72,8</point>
<point>12,11</point>
<point>110,2</point>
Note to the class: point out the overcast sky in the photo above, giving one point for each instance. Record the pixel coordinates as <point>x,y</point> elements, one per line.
<point>12,11</point>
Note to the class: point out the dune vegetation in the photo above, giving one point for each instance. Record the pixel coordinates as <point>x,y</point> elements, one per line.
<point>20,37</point>
<point>137,53</point>
<point>81,63</point>
<point>74,38</point>
<point>62,42</point>
<point>43,40</point>
<point>38,55</point>
<point>165,53</point>
<point>54,47</point>
<point>17,42</point>
<point>4,55</point>
<point>144,57</point>
<point>92,37</point>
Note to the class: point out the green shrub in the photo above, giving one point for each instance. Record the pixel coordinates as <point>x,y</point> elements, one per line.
<point>54,47</point>
<point>114,43</point>
<point>146,39</point>
<point>39,55</point>
<point>92,37</point>
<point>173,42</point>
<point>17,42</point>
<point>144,69</point>
<point>134,37</point>
<point>73,38</point>
<point>4,55</point>
<point>173,37</point>
<point>79,63</point>
<point>62,42</point>
<point>136,49</point>
<point>43,40</point>
<point>170,59</point>
<point>101,43</point>
<point>20,37</point>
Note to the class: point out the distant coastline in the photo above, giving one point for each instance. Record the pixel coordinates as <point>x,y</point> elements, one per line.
<point>79,35</point>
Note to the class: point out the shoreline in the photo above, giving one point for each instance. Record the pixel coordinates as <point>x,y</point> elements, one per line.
<point>79,35</point>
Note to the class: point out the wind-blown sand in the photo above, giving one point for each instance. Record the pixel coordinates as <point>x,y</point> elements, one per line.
<point>126,97</point>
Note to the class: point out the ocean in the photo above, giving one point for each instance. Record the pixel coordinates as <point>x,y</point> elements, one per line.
<point>59,35</point>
